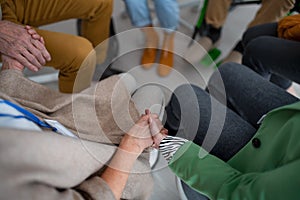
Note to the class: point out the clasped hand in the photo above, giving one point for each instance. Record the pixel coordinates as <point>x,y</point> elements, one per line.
<point>147,132</point>
<point>21,46</point>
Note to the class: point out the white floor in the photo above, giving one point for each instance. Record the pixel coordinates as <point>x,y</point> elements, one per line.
<point>130,41</point>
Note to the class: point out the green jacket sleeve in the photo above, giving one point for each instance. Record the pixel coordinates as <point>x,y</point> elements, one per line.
<point>218,180</point>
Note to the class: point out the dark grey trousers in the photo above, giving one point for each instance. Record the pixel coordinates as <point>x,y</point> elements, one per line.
<point>225,119</point>
<point>269,55</point>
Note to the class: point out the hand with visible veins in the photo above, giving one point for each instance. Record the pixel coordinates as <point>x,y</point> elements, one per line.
<point>11,63</point>
<point>34,34</point>
<point>23,45</point>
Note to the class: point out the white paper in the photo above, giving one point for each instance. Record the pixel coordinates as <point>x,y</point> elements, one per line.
<point>60,128</point>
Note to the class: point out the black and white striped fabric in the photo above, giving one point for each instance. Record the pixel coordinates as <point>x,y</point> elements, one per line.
<point>169,145</point>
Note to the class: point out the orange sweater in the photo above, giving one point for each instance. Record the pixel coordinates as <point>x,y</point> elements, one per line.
<point>289,27</point>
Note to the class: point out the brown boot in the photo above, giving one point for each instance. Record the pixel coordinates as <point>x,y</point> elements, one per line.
<point>165,63</point>
<point>166,57</point>
<point>148,58</point>
<point>151,44</point>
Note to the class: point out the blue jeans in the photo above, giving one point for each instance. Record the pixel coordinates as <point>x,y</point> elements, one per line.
<point>269,55</point>
<point>167,12</point>
<point>248,97</point>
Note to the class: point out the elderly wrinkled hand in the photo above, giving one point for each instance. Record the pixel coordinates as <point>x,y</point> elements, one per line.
<point>11,63</point>
<point>23,44</point>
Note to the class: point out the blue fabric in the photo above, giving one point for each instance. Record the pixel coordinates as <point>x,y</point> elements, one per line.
<point>26,115</point>
<point>167,12</point>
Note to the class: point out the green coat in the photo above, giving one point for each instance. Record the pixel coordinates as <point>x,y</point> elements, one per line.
<point>268,167</point>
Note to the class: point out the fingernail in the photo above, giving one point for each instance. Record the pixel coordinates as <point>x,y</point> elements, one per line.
<point>36,69</point>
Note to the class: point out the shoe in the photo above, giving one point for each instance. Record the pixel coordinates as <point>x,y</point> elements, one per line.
<point>148,58</point>
<point>165,63</point>
<point>198,50</point>
<point>151,45</point>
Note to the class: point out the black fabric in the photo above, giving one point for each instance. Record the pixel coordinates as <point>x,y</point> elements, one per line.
<point>208,30</point>
<point>239,47</point>
<point>214,33</point>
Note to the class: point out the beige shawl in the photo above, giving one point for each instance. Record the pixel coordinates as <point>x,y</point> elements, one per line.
<point>50,166</point>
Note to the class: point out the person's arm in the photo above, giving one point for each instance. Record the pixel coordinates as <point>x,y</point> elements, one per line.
<point>11,63</point>
<point>170,145</point>
<point>117,173</point>
<point>17,43</point>
<point>62,173</point>
<point>218,180</point>
<point>131,146</point>
<point>167,145</point>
